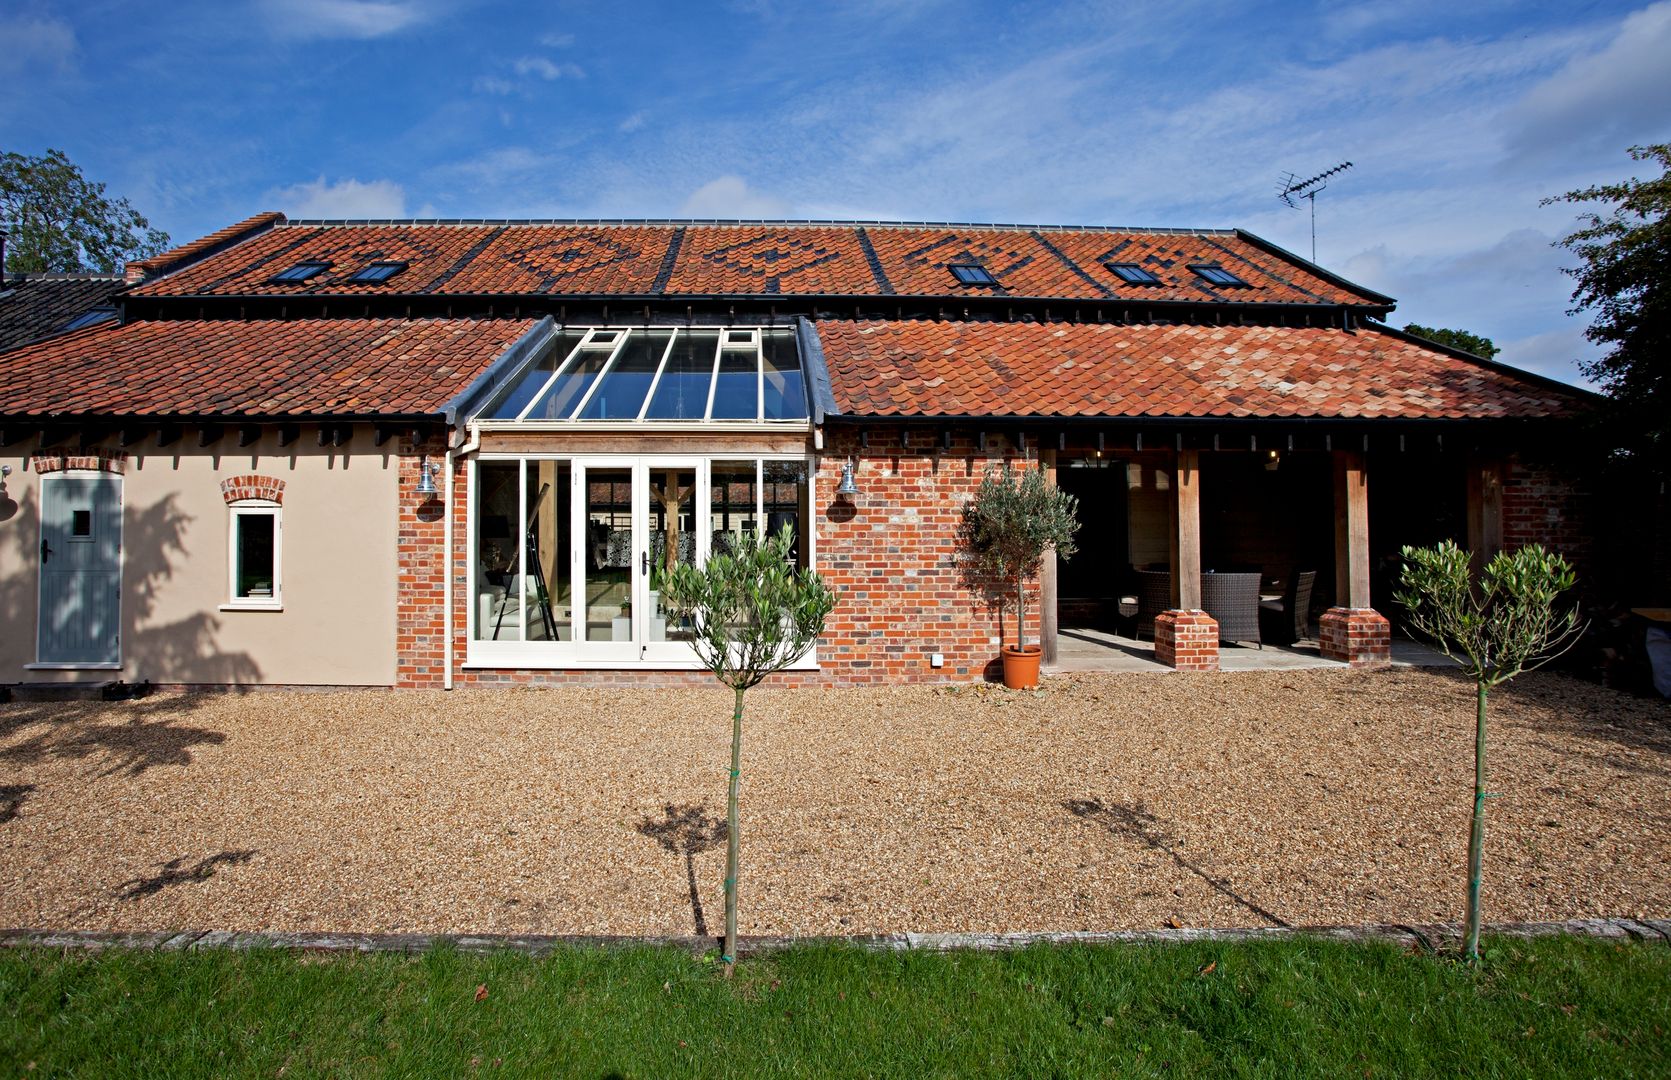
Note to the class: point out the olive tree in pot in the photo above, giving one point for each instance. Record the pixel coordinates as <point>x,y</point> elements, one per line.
<point>753,613</point>
<point>1013,520</point>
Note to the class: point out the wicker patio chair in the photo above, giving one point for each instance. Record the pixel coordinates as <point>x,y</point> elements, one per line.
<point>1233,600</point>
<point>1290,617</point>
<point>1154,595</point>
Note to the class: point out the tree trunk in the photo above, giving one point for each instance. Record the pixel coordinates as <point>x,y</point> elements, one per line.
<point>1476,836</point>
<point>1020,612</point>
<point>729,954</point>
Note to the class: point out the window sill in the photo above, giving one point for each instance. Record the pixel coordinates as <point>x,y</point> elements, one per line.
<point>252,606</point>
<point>47,666</point>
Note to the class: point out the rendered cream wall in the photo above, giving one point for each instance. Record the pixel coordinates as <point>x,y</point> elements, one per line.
<point>340,520</point>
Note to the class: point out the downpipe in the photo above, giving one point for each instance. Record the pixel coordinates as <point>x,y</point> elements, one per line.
<point>470,446</point>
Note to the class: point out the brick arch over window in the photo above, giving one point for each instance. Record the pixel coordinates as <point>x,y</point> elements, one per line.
<point>109,461</point>
<point>239,488</point>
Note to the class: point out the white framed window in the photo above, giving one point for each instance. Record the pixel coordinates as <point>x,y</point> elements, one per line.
<point>255,557</point>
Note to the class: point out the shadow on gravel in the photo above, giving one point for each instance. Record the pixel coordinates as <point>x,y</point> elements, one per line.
<point>11,800</point>
<point>1136,823</point>
<point>687,831</point>
<point>1553,703</point>
<point>175,873</point>
<point>130,736</point>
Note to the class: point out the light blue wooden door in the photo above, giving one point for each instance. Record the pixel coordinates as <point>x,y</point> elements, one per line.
<point>81,570</point>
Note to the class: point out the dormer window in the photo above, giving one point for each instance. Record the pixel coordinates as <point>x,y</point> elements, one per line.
<point>1132,274</point>
<point>302,271</point>
<point>377,272</point>
<point>971,274</point>
<point>1218,275</point>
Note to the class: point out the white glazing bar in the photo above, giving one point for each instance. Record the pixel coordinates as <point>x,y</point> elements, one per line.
<point>621,338</point>
<point>713,379</point>
<point>759,377</point>
<point>546,389</point>
<point>521,582</point>
<point>655,381</point>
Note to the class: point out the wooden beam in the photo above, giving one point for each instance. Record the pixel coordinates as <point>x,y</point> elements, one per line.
<point>133,435</point>
<point>54,436</point>
<point>289,433</point>
<point>1186,567</point>
<point>1485,508</point>
<point>1047,575</point>
<point>1351,530</point>
<point>167,435</point>
<point>210,434</point>
<point>248,433</point>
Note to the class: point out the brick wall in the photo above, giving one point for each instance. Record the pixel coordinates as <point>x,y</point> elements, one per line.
<point>110,461</point>
<point>1187,640</point>
<point>891,556</point>
<point>1544,506</point>
<point>238,488</point>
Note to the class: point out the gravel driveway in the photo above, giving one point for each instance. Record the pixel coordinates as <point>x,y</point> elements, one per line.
<point>1100,802</point>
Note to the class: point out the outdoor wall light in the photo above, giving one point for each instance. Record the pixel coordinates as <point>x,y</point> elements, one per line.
<point>426,480</point>
<point>849,486</point>
<point>1272,460</point>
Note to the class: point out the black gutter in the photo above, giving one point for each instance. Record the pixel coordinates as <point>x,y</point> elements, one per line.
<point>1311,267</point>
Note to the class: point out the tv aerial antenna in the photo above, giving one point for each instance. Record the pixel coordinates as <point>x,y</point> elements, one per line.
<point>1291,188</point>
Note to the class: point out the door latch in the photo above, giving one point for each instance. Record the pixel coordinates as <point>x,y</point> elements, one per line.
<point>644,561</point>
<point>46,550</point>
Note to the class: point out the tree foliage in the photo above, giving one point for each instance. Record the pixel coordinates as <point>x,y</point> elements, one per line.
<point>753,613</point>
<point>1456,339</point>
<point>1014,518</point>
<point>59,220</point>
<point>1624,281</point>
<point>1510,622</point>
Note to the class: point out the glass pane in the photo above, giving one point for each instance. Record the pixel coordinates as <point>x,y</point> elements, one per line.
<point>498,591</point>
<point>682,393</point>
<point>609,553</point>
<point>785,387</point>
<point>732,503</point>
<point>522,391</point>
<point>547,607</point>
<point>786,504</point>
<point>672,541</point>
<point>737,396</point>
<point>565,394</point>
<point>621,394</point>
<point>81,524</point>
<point>254,573</point>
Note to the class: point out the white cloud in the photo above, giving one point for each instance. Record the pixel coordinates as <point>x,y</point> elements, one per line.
<point>1554,353</point>
<point>348,198</point>
<point>492,84</point>
<point>354,19</point>
<point>731,197</point>
<point>36,44</point>
<point>546,69</point>
<point>556,41</point>
<point>1611,98</point>
<point>632,123</point>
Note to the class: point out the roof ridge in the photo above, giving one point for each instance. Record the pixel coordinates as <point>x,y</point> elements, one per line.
<point>753,222</point>
<point>204,246</point>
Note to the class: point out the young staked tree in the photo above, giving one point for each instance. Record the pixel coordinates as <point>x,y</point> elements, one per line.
<point>753,613</point>
<point>1509,623</point>
<point>1014,518</point>
<point>59,220</point>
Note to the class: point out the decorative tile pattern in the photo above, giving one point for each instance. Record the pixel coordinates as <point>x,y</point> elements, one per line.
<point>927,368</point>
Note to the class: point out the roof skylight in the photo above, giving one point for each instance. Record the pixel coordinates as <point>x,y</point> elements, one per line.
<point>377,272</point>
<point>660,374</point>
<point>1218,275</point>
<point>971,274</point>
<point>302,271</point>
<point>1132,274</point>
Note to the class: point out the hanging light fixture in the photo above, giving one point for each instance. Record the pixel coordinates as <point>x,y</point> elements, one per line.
<point>426,480</point>
<point>849,486</point>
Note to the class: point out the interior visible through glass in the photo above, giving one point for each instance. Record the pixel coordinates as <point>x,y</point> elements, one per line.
<point>786,499</point>
<point>673,515</point>
<point>254,575</point>
<point>608,555</point>
<point>733,503</point>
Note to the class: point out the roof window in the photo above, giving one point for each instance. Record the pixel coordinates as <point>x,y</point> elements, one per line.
<point>1218,275</point>
<point>377,272</point>
<point>90,318</point>
<point>1132,274</point>
<point>302,271</point>
<point>971,274</point>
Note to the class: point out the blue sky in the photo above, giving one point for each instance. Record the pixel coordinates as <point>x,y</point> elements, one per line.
<point>1458,117</point>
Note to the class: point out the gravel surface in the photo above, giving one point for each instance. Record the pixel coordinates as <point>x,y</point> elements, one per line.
<point>1101,802</point>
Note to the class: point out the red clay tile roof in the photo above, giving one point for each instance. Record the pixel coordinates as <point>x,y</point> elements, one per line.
<point>751,259</point>
<point>923,368</point>
<point>140,269</point>
<point>339,367</point>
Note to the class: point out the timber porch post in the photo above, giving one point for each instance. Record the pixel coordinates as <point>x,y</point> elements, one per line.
<point>1186,637</point>
<point>1352,631</point>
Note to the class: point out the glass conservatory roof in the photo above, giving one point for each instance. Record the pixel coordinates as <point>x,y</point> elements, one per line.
<point>616,374</point>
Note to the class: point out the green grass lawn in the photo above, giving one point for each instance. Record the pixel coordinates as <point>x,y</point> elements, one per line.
<point>1552,1007</point>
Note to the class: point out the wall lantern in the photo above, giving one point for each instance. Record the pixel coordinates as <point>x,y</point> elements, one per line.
<point>1272,461</point>
<point>849,486</point>
<point>426,480</point>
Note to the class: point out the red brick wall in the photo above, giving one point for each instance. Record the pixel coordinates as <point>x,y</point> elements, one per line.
<point>236,488</point>
<point>1543,506</point>
<point>891,559</point>
<point>110,461</point>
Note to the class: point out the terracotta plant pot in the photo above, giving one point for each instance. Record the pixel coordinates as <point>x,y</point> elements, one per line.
<point>1021,666</point>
